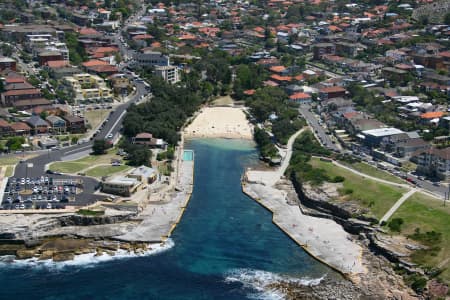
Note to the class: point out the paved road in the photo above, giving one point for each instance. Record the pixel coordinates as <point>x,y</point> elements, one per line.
<point>111,127</point>
<point>397,204</point>
<point>404,185</point>
<point>325,139</point>
<point>319,131</point>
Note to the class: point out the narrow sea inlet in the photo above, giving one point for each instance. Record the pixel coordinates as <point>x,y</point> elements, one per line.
<point>225,247</point>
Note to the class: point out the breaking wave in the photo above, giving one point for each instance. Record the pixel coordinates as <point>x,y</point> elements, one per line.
<point>84,260</point>
<point>262,282</point>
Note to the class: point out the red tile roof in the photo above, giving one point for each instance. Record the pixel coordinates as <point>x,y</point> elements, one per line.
<point>300,96</point>
<point>22,92</point>
<point>332,89</point>
<point>94,62</point>
<point>432,115</point>
<point>57,63</point>
<point>20,126</point>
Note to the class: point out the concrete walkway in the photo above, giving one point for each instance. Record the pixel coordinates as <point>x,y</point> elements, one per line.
<point>323,238</point>
<point>397,204</point>
<point>270,178</point>
<point>403,185</point>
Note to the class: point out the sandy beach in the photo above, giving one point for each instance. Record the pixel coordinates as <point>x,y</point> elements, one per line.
<point>220,122</point>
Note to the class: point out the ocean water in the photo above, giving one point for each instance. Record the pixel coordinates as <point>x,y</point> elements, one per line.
<point>225,247</point>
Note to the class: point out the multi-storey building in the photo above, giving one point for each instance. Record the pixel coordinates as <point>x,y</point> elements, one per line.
<point>88,87</point>
<point>168,73</point>
<point>434,162</point>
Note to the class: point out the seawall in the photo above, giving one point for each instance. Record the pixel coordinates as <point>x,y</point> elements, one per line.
<point>322,238</point>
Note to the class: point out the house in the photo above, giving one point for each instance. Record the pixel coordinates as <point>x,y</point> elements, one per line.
<point>407,148</point>
<point>431,117</point>
<point>121,84</point>
<point>143,138</point>
<point>300,98</point>
<point>434,162</point>
<point>10,96</point>
<point>120,185</point>
<point>147,139</point>
<point>46,56</point>
<point>20,128</point>
<point>332,92</point>
<point>57,125</point>
<point>322,49</point>
<point>5,128</point>
<point>143,174</point>
<point>37,125</point>
<point>394,74</point>
<point>7,63</point>
<point>74,124</point>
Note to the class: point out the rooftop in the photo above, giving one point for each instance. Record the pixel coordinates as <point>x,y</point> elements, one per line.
<point>380,132</point>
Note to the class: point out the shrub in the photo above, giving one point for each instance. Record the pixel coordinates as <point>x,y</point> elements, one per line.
<point>337,179</point>
<point>395,224</point>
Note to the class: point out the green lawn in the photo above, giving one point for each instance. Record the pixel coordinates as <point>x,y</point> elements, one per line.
<point>68,166</point>
<point>376,196</point>
<point>9,171</point>
<point>101,171</point>
<point>95,117</point>
<point>9,160</point>
<point>76,166</point>
<point>373,171</point>
<point>422,211</point>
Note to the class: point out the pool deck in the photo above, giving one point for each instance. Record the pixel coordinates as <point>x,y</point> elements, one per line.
<point>164,211</point>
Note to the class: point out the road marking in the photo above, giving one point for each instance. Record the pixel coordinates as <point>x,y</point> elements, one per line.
<point>77,150</point>
<point>117,121</point>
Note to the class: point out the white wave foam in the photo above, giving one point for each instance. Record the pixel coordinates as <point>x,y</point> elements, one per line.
<point>260,281</point>
<point>84,260</point>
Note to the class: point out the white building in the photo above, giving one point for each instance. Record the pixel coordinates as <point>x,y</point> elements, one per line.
<point>168,73</point>
<point>151,59</point>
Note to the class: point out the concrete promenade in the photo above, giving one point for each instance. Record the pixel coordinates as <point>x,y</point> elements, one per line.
<point>397,204</point>
<point>323,239</point>
<point>162,213</point>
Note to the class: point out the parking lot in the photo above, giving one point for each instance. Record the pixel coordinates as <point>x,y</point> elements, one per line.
<point>49,191</point>
<point>40,193</point>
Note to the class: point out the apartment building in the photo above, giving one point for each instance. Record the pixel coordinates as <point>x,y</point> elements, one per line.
<point>87,87</point>
<point>168,73</point>
<point>434,162</point>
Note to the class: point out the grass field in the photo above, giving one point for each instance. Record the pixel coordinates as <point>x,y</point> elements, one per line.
<point>76,166</point>
<point>95,117</point>
<point>422,211</point>
<point>374,172</point>
<point>376,196</point>
<point>101,171</point>
<point>9,160</point>
<point>9,171</point>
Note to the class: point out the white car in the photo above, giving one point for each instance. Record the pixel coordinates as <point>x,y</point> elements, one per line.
<point>110,136</point>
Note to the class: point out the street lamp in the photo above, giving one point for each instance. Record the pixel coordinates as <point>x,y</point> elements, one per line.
<point>28,165</point>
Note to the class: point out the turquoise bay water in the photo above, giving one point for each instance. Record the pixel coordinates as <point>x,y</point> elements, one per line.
<point>225,247</point>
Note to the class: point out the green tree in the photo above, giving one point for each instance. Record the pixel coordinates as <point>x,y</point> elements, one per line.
<point>77,53</point>
<point>15,143</point>
<point>99,147</point>
<point>138,155</point>
<point>447,18</point>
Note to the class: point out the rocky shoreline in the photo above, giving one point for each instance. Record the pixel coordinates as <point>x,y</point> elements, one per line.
<point>379,281</point>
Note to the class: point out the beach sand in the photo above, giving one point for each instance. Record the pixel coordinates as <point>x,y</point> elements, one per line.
<point>220,122</point>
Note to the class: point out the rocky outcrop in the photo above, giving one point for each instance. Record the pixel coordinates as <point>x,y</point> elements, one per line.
<point>80,220</point>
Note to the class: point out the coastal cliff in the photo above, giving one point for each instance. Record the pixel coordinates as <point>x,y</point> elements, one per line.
<point>375,279</point>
